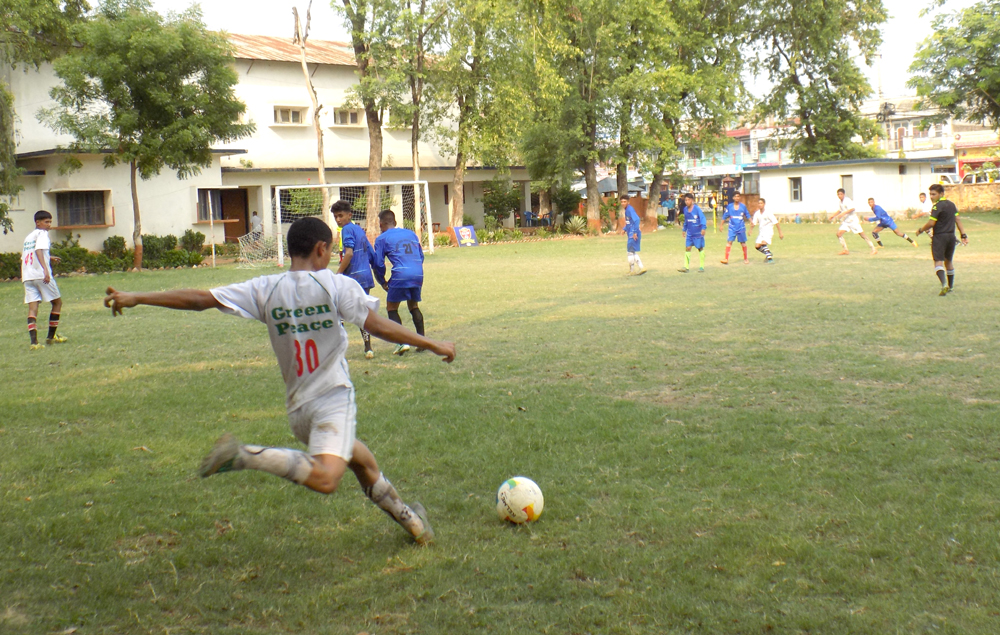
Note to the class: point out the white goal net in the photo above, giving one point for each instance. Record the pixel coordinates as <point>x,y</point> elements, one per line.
<point>408,199</point>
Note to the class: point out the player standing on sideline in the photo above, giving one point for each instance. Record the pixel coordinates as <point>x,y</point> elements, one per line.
<point>302,309</point>
<point>944,218</point>
<point>39,281</point>
<point>736,215</point>
<point>355,257</point>
<point>765,222</point>
<point>633,232</point>
<point>402,247</point>
<point>693,225</point>
<point>925,206</point>
<point>850,223</point>
<point>884,221</point>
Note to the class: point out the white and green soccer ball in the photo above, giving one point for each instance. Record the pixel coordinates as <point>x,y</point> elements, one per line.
<point>519,500</point>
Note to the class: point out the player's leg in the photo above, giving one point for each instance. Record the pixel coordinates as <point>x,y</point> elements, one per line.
<point>949,266</point>
<point>843,243</point>
<point>51,337</point>
<point>871,245</point>
<point>903,234</point>
<point>687,259</point>
<point>413,304</point>
<point>32,317</point>
<point>393,299</point>
<point>875,234</point>
<point>701,257</point>
<point>743,244</point>
<point>729,247</point>
<point>631,262</point>
<point>381,492</point>
<point>366,336</point>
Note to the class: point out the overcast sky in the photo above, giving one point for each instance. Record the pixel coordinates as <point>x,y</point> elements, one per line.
<point>901,35</point>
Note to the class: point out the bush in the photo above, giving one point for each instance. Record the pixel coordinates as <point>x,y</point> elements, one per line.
<point>517,234</point>
<point>10,266</point>
<point>662,220</point>
<point>576,225</point>
<point>566,200</point>
<point>500,198</point>
<point>114,247</point>
<point>543,233</point>
<point>154,248</point>
<point>442,240</point>
<point>467,220</point>
<point>192,241</point>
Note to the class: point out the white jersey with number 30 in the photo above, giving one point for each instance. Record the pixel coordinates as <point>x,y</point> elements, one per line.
<point>303,310</point>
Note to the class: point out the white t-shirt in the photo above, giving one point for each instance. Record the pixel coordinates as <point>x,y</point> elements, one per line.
<point>255,223</point>
<point>303,310</point>
<point>765,221</point>
<point>31,269</point>
<point>845,205</point>
<point>925,207</point>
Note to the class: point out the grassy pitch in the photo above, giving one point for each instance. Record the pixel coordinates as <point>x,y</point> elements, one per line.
<point>804,447</point>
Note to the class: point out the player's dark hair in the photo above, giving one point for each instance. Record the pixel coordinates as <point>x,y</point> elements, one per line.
<point>924,195</point>
<point>624,197</point>
<point>840,189</point>
<point>763,200</point>
<point>340,206</point>
<point>689,196</point>
<point>387,216</point>
<point>42,215</point>
<point>305,233</point>
<point>936,187</point>
<point>871,199</point>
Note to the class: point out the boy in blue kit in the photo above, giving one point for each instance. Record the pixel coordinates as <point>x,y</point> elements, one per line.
<point>884,222</point>
<point>634,234</point>
<point>403,250</point>
<point>736,214</point>
<point>693,225</point>
<point>355,257</point>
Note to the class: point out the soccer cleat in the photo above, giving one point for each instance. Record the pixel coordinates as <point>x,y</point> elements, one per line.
<point>402,348</point>
<point>55,339</point>
<point>701,270</point>
<point>844,253</point>
<point>641,271</point>
<point>222,456</point>
<point>426,537</point>
<point>944,291</point>
<point>36,347</point>
<point>915,243</point>
<point>369,354</point>
<point>725,261</point>
<point>874,252</point>
<point>683,270</point>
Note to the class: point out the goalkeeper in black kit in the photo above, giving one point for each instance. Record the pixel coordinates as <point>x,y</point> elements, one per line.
<point>944,219</point>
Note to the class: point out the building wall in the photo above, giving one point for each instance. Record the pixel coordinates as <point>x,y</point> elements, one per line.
<point>895,192</point>
<point>978,196</point>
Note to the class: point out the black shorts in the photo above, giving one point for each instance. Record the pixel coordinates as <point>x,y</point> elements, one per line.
<point>943,247</point>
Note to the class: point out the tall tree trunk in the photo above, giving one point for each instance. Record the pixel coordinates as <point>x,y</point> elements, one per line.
<point>136,223</point>
<point>653,202</point>
<point>458,191</point>
<point>374,167</point>
<point>622,182</point>
<point>593,196</point>
<point>417,193</point>
<point>545,203</point>
<point>300,39</point>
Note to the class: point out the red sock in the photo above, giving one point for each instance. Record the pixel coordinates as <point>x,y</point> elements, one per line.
<point>728,247</point>
<point>744,245</point>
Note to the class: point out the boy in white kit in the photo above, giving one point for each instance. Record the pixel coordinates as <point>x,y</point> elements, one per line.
<point>303,309</point>
<point>765,222</point>
<point>850,223</point>
<point>39,283</point>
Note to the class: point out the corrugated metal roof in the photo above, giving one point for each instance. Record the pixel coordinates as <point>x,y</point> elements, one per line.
<point>280,49</point>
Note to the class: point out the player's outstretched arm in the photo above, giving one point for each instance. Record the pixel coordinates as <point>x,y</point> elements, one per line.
<point>390,331</point>
<point>927,226</point>
<point>182,299</point>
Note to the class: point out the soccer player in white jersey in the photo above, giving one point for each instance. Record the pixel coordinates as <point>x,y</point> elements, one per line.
<point>850,222</point>
<point>925,206</point>
<point>303,309</point>
<point>39,280</point>
<point>766,222</point>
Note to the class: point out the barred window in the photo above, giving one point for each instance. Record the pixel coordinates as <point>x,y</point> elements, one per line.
<point>80,208</point>
<point>206,198</point>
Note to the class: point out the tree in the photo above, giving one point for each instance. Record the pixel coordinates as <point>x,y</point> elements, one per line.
<point>300,37</point>
<point>804,49</point>
<point>31,32</point>
<point>148,91</point>
<point>958,67</point>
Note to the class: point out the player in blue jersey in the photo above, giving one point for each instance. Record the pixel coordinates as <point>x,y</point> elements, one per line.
<point>736,215</point>
<point>882,221</point>
<point>633,232</point>
<point>403,250</point>
<point>694,225</point>
<point>355,257</point>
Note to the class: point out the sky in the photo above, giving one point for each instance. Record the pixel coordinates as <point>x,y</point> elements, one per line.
<point>901,34</point>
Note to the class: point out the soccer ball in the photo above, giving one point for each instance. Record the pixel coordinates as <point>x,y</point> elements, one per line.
<point>519,500</point>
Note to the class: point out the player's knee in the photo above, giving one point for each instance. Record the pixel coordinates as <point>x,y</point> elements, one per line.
<point>325,482</point>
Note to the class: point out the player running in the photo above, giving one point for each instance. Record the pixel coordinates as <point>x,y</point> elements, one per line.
<point>884,221</point>
<point>850,223</point>
<point>766,222</point>
<point>39,280</point>
<point>944,218</point>
<point>633,231</point>
<point>355,257</point>
<point>693,225</point>
<point>302,309</point>
<point>402,247</point>
<point>736,215</point>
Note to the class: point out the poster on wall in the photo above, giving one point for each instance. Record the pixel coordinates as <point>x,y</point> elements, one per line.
<point>466,236</point>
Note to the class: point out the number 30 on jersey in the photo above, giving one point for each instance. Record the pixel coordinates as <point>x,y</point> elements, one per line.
<point>311,357</point>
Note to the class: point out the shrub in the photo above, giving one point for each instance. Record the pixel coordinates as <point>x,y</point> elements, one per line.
<point>114,247</point>
<point>517,234</point>
<point>662,220</point>
<point>99,263</point>
<point>500,198</point>
<point>192,241</point>
<point>576,225</point>
<point>566,200</point>
<point>153,248</point>
<point>543,233</point>
<point>10,266</point>
<point>442,240</point>
<point>467,220</point>
<point>491,224</point>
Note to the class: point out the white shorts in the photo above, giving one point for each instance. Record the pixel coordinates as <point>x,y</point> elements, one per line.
<point>38,291</point>
<point>764,237</point>
<point>327,424</point>
<point>852,225</point>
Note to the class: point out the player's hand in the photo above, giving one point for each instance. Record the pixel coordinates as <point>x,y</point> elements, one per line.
<point>385,286</point>
<point>55,259</point>
<point>965,240</point>
<point>118,300</point>
<point>446,350</point>
<point>46,279</point>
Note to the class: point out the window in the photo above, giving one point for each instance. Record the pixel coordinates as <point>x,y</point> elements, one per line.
<point>80,208</point>
<point>902,169</point>
<point>289,116</point>
<point>847,182</point>
<point>209,200</point>
<point>345,117</point>
<point>795,189</point>
<point>745,146</point>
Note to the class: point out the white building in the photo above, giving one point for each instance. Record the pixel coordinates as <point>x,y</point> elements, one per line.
<point>95,202</point>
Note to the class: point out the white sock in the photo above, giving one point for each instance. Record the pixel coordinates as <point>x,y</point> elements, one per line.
<point>843,242</point>
<point>294,465</point>
<point>638,261</point>
<point>383,494</point>
<point>631,260</point>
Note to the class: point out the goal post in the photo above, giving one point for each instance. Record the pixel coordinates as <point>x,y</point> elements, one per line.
<point>410,200</point>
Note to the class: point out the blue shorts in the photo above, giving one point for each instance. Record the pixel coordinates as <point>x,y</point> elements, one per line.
<point>881,225</point>
<point>698,241</point>
<point>633,245</point>
<point>740,235</point>
<point>403,294</point>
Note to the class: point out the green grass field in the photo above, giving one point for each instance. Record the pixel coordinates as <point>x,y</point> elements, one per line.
<point>806,447</point>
